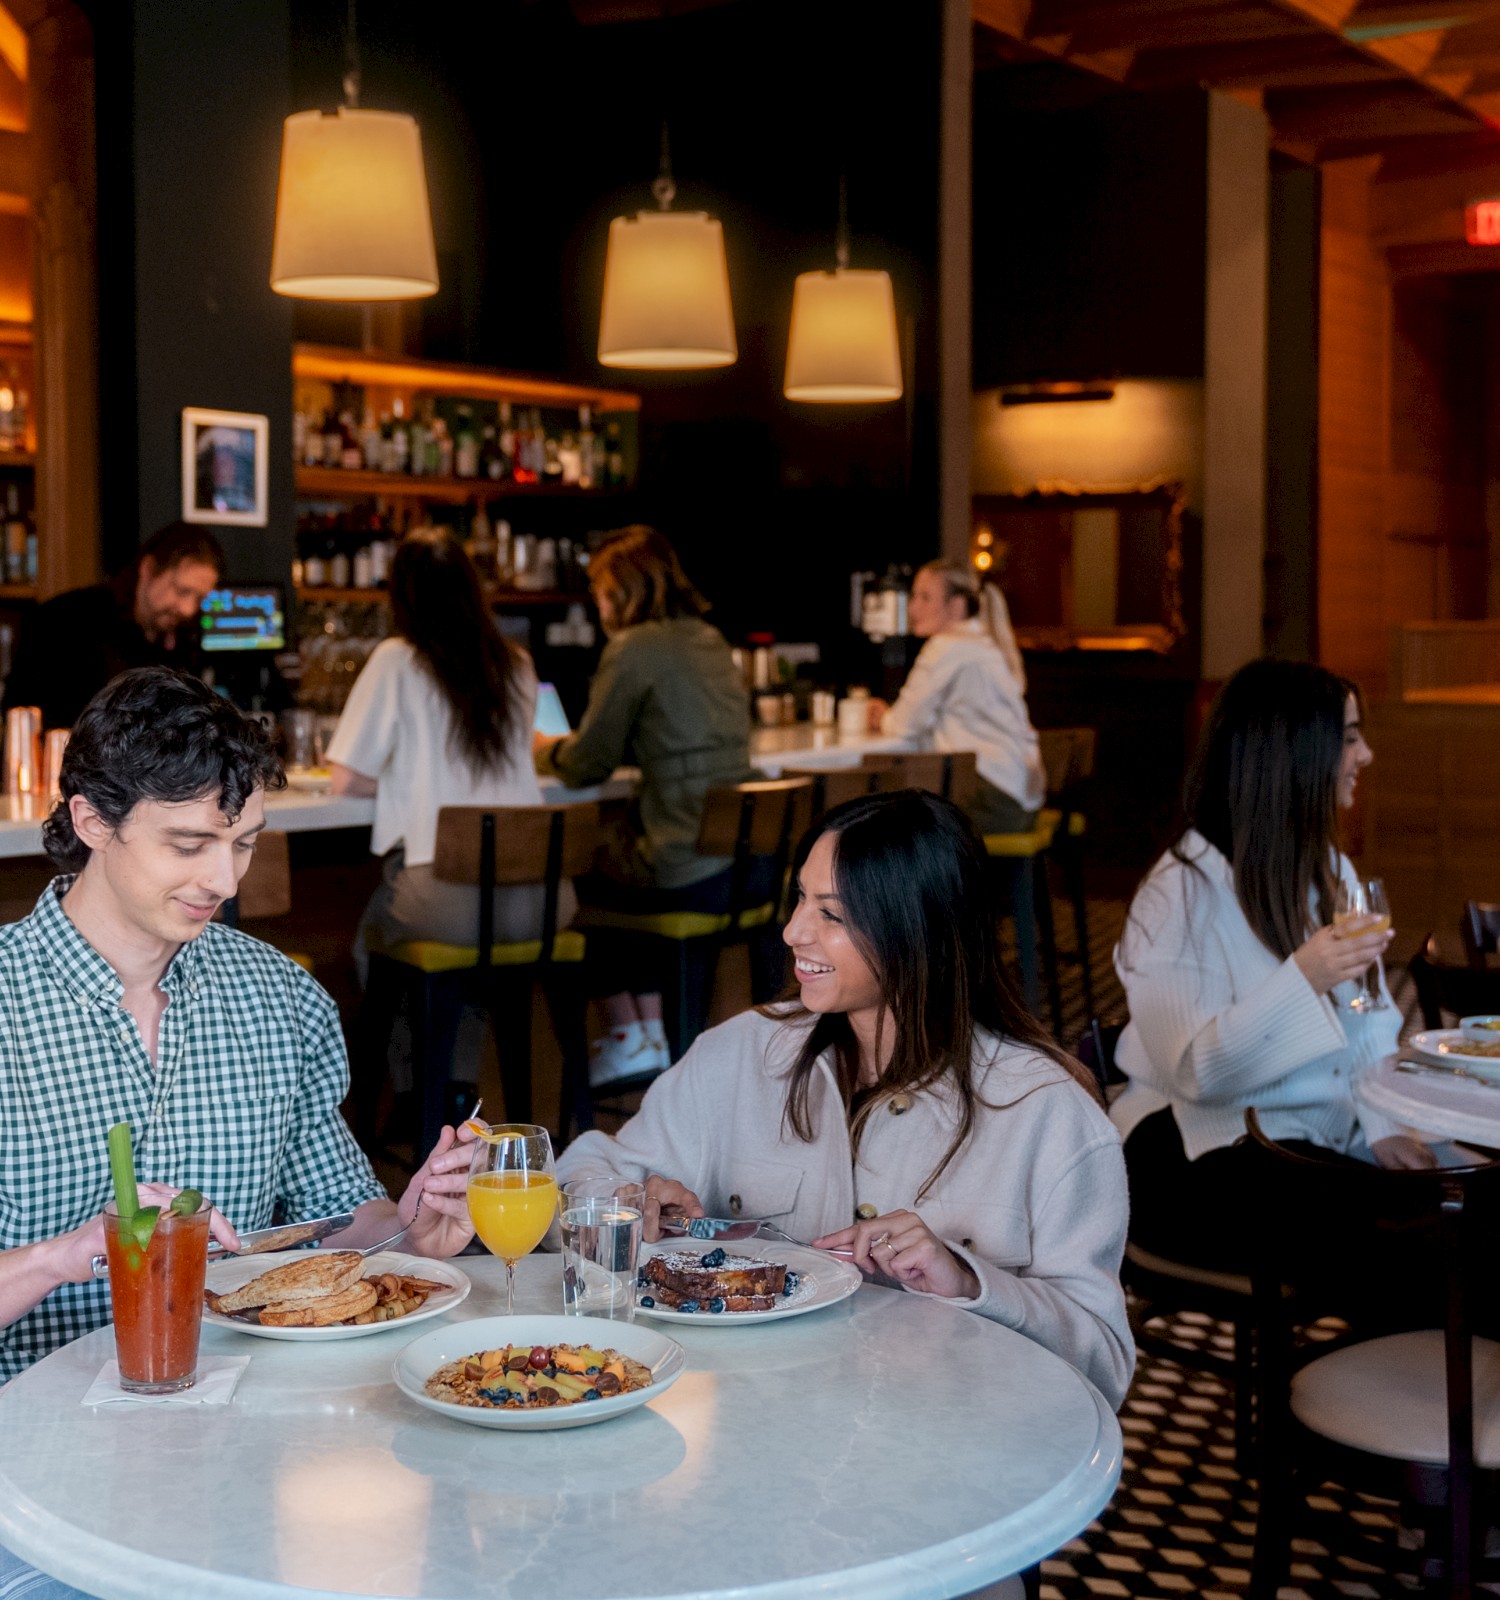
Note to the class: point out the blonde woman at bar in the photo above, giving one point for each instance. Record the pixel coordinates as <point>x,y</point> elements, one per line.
<point>967,691</point>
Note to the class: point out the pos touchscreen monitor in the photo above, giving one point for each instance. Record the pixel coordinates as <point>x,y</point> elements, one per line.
<point>243,617</point>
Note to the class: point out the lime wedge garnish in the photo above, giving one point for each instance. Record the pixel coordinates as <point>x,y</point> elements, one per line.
<point>142,1225</point>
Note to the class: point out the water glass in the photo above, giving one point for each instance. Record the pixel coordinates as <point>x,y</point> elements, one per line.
<point>601,1240</point>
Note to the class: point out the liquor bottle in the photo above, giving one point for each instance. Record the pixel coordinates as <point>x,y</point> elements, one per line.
<point>614,457</point>
<point>481,544</point>
<point>362,568</point>
<point>9,438</point>
<point>333,440</point>
<point>314,567</point>
<point>299,435</point>
<point>491,464</point>
<point>588,467</point>
<point>507,441</point>
<point>338,560</point>
<point>552,466</point>
<point>400,438</point>
<point>15,536</point>
<point>570,464</point>
<point>370,442</point>
<point>440,451</point>
<point>522,469</point>
<point>351,457</point>
<point>505,572</point>
<point>312,440</point>
<point>466,445</point>
<point>421,437</point>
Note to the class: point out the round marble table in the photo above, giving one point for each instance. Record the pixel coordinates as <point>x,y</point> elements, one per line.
<point>889,1447</point>
<point>1433,1101</point>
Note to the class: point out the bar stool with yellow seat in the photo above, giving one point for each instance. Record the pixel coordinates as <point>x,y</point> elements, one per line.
<point>761,819</point>
<point>489,847</point>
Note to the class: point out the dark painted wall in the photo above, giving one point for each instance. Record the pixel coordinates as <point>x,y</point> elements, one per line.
<point>1291,591</point>
<point>537,131</point>
<point>191,102</point>
<point>1090,219</point>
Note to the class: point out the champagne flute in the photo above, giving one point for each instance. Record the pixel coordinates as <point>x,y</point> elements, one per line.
<point>512,1194</point>
<point>1361,907</point>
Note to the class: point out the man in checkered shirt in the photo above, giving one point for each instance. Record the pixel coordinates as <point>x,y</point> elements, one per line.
<point>121,1001</point>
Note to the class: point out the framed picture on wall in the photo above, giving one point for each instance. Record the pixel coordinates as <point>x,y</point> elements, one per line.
<point>224,455</point>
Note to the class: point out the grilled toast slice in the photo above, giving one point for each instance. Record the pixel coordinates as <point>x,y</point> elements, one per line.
<point>312,1276</point>
<point>324,1311</point>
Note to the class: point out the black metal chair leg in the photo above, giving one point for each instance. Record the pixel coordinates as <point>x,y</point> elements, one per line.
<point>566,1000</point>
<point>369,1057</point>
<point>1072,865</point>
<point>1047,940</point>
<point>432,1039</point>
<point>510,1023</point>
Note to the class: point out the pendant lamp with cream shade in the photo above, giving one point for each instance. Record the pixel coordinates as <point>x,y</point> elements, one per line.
<point>352,214</point>
<point>844,347</point>
<point>666,288</point>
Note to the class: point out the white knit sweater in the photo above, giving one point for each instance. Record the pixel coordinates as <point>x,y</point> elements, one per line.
<point>1219,1023</point>
<point>1034,1203</point>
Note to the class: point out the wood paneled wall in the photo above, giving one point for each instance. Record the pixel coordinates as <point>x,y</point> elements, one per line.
<point>1354,340</point>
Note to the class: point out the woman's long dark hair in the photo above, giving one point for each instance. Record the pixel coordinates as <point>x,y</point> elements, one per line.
<point>439,609</point>
<point>914,890</point>
<point>1263,790</point>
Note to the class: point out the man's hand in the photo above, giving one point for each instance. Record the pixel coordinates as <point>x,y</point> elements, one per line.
<point>434,1207</point>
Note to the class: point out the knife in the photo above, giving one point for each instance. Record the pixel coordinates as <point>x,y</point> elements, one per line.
<point>257,1241</point>
<point>1419,1067</point>
<point>728,1230</point>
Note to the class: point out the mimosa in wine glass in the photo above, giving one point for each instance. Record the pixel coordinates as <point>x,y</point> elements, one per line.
<point>512,1193</point>
<point>1361,907</point>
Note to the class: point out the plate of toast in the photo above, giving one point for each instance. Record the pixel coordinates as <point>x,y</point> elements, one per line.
<point>691,1280</point>
<point>312,1295</point>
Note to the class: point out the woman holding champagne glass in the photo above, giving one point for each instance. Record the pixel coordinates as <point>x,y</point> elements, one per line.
<point>512,1192</point>
<point>1245,959</point>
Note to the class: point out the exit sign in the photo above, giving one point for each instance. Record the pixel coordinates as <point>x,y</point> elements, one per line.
<point>1482,222</point>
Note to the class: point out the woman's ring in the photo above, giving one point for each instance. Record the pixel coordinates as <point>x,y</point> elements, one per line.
<point>884,1239</point>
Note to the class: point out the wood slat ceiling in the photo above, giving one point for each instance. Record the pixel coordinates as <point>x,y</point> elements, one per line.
<point>1336,77</point>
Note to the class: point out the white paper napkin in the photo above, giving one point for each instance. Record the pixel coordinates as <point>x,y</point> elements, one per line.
<point>217,1376</point>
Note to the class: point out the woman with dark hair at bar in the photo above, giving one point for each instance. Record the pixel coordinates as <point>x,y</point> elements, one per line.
<point>1233,968</point>
<point>905,1107</point>
<point>440,716</point>
<point>668,699</point>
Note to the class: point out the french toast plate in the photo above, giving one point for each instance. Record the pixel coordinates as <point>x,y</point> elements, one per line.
<point>423,1357</point>
<point>1448,1046</point>
<point>823,1280</point>
<point>234,1272</point>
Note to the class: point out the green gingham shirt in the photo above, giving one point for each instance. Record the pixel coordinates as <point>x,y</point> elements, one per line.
<point>242,1104</point>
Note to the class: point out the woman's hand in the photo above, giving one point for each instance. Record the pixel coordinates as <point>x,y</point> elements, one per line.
<point>1401,1153</point>
<point>903,1247</point>
<point>435,1206</point>
<point>663,1195</point>
<point>1331,957</point>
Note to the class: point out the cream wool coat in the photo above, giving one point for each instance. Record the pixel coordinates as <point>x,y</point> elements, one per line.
<point>1034,1203</point>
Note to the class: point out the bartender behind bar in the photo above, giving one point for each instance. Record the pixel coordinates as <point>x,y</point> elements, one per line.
<point>146,616</point>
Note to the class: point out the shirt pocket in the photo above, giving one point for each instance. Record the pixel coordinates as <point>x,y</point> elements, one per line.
<point>1001,1234</point>
<point>753,1187</point>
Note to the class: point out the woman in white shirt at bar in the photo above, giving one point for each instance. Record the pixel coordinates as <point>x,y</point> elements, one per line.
<point>440,716</point>
<point>1235,974</point>
<point>967,691</point>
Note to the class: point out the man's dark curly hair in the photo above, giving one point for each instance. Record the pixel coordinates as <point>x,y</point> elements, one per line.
<point>155,734</point>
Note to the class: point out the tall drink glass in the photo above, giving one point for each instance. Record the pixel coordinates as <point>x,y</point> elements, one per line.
<point>1362,907</point>
<point>601,1240</point>
<point>157,1295</point>
<point>512,1194</point>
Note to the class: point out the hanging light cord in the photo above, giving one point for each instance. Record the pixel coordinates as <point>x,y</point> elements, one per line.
<point>351,62</point>
<point>841,236</point>
<point>665,187</point>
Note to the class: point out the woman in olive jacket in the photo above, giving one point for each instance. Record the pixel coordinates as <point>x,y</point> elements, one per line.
<point>668,699</point>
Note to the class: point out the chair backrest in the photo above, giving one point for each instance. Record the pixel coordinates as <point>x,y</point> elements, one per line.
<point>1067,756</point>
<point>1323,1214</point>
<point>495,846</point>
<point>1445,986</point>
<point>1481,931</point>
<point>266,888</point>
<point>952,774</point>
<point>832,786</point>
<point>1096,1050</point>
<point>763,818</point>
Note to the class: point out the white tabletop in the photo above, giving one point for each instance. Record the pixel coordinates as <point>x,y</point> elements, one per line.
<point>1433,1101</point>
<point>801,744</point>
<point>887,1448</point>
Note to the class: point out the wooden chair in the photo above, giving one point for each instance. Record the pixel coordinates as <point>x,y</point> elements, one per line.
<point>1068,756</point>
<point>1462,990</point>
<point>1481,931</point>
<point>1158,1286</point>
<point>832,786</point>
<point>488,847</point>
<point>745,822</point>
<point>266,890</point>
<point>1412,1416</point>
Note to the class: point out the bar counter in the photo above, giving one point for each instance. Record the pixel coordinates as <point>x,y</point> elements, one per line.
<point>297,810</point>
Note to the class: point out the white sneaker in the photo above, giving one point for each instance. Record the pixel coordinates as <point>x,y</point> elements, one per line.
<point>625,1052</point>
<point>656,1037</point>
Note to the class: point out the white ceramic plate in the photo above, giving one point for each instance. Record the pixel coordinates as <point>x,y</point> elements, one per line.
<point>226,1276</point>
<point>825,1280</point>
<point>420,1359</point>
<point>1448,1046</point>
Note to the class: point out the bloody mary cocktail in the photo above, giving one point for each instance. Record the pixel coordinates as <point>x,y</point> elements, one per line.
<point>158,1299</point>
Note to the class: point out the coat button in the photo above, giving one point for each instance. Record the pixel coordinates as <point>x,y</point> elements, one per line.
<point>898,1103</point>
<point>968,1244</point>
<point>866,1212</point>
<point>736,1205</point>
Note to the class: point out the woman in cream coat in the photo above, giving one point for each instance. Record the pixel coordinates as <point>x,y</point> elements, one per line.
<point>944,1143</point>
